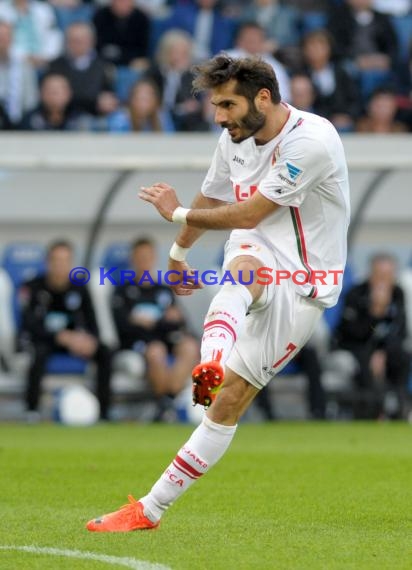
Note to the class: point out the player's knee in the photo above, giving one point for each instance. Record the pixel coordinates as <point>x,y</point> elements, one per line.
<point>245,271</point>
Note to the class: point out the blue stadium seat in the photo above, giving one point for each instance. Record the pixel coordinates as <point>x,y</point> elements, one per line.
<point>312,21</point>
<point>157,27</point>
<point>59,363</point>
<point>372,79</point>
<point>24,261</point>
<point>124,81</point>
<point>403,29</point>
<point>291,368</point>
<point>117,254</point>
<point>67,16</point>
<point>332,315</point>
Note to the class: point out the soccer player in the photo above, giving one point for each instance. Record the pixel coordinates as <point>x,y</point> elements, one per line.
<point>283,173</point>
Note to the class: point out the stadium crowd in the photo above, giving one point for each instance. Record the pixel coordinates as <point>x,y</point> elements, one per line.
<point>125,65</point>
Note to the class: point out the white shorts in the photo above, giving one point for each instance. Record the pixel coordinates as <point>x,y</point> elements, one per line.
<point>278,325</point>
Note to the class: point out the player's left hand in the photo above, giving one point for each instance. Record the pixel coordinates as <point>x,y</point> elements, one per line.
<point>163,197</point>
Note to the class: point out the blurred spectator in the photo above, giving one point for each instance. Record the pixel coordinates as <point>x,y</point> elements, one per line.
<point>393,7</point>
<point>143,113</point>
<point>363,35</point>
<point>251,42</point>
<point>154,8</point>
<point>18,81</point>
<point>150,323</point>
<point>381,114</point>
<point>58,317</point>
<point>35,33</point>
<point>373,329</point>
<point>172,74</point>
<point>404,98</point>
<point>5,123</point>
<point>303,92</point>
<point>211,32</point>
<point>311,5</point>
<point>55,112</point>
<point>208,114</point>
<point>89,77</point>
<point>234,8</point>
<point>69,3</point>
<point>280,22</point>
<point>337,96</point>
<point>122,32</point>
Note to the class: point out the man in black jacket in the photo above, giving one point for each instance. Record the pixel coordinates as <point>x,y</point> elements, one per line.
<point>149,322</point>
<point>373,329</point>
<point>90,78</point>
<point>122,32</point>
<point>364,35</point>
<point>58,317</point>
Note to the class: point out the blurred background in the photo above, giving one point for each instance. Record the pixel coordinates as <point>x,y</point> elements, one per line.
<point>95,101</point>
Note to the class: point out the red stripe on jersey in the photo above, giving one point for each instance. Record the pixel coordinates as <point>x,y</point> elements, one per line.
<point>302,237</point>
<point>302,240</point>
<point>220,323</point>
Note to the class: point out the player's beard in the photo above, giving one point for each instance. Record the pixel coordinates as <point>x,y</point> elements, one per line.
<point>248,125</point>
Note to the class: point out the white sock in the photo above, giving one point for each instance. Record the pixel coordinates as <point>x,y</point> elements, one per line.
<point>205,447</point>
<point>224,321</point>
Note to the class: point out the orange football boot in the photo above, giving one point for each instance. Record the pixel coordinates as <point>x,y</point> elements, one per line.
<point>207,380</point>
<point>127,518</point>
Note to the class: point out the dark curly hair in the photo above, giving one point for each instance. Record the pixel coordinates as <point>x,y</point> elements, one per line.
<point>251,75</point>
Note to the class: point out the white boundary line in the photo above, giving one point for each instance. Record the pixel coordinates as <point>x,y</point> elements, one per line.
<point>131,563</point>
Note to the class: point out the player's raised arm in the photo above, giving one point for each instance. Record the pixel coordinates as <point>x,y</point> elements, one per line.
<point>185,238</point>
<point>242,215</point>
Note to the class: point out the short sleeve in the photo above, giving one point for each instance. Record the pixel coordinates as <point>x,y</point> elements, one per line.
<point>217,182</point>
<point>303,164</point>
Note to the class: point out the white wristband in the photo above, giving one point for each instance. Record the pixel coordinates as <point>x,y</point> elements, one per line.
<point>178,253</point>
<point>179,215</point>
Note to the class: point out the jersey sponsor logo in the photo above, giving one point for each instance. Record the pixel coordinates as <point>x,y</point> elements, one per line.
<point>284,179</point>
<point>293,170</point>
<point>244,193</point>
<point>239,160</point>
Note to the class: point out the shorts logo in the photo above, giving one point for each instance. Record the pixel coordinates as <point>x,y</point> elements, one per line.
<point>294,171</point>
<point>269,371</point>
<point>250,246</point>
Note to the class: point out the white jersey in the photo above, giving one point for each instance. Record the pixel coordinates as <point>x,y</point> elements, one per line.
<point>303,169</point>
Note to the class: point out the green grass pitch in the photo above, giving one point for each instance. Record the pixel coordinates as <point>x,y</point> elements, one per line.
<point>285,496</point>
